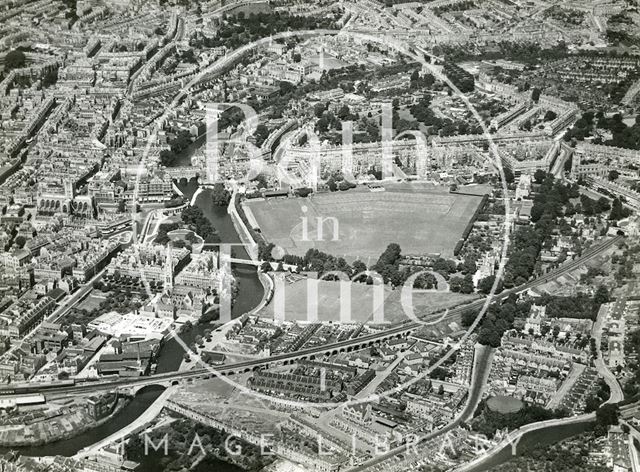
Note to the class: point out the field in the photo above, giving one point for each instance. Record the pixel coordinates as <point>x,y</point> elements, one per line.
<point>359,224</point>
<point>93,300</point>
<point>505,405</point>
<point>362,303</point>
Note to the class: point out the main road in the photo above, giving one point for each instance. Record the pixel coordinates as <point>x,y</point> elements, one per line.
<point>481,370</point>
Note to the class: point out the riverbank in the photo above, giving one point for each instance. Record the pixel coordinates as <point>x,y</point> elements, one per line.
<point>215,447</point>
<point>251,295</point>
<point>58,425</point>
<point>137,425</point>
<point>527,438</point>
<point>250,285</point>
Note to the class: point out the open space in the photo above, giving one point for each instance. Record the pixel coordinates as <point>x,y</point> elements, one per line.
<point>93,300</point>
<point>505,405</point>
<point>363,304</point>
<point>359,224</point>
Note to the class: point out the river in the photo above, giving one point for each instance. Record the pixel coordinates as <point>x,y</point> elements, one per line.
<point>250,292</point>
<point>249,295</point>
<point>532,440</point>
<point>156,462</point>
<point>68,447</point>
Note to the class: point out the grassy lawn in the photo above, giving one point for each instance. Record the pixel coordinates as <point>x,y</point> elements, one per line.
<point>420,219</point>
<point>297,293</point>
<point>503,404</point>
<point>93,300</point>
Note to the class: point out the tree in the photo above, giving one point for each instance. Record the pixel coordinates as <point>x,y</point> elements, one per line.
<point>618,212</point>
<point>359,267</point>
<point>539,176</point>
<point>467,284</point>
<point>508,176</point>
<point>602,205</point>
<point>606,416</point>
<point>613,175</point>
<point>455,284</point>
<point>167,157</point>
<point>535,94</point>
<point>14,60</point>
<point>485,284</point>
<point>592,403</point>
<point>569,209</point>
<point>20,241</point>
<point>304,191</point>
<point>601,296</point>
<point>467,318</point>
<point>220,194</point>
<point>265,267</point>
<point>469,266</point>
<point>344,113</point>
<point>134,448</point>
<point>261,134</point>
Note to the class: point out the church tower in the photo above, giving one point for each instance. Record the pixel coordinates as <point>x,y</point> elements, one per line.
<point>168,270</point>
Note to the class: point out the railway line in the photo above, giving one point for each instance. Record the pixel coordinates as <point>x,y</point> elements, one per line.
<point>397,330</point>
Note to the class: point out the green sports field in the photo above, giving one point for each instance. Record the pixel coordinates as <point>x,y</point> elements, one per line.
<point>359,224</point>
<point>363,305</point>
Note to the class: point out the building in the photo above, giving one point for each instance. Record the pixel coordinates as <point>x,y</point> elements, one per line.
<point>200,273</point>
<point>102,406</point>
